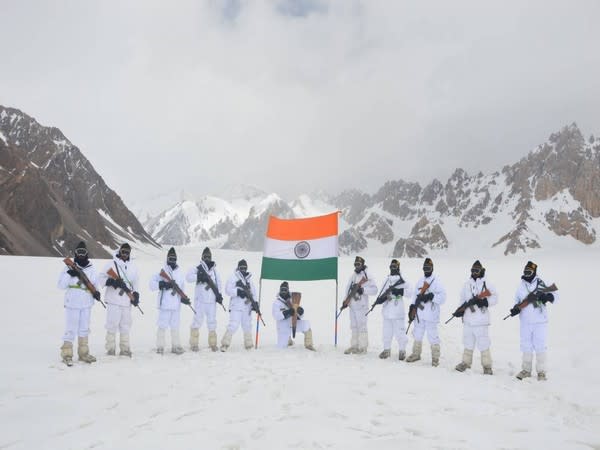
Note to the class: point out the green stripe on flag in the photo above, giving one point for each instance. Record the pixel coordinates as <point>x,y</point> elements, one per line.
<point>299,270</point>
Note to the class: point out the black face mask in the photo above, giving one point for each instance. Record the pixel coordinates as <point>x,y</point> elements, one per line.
<point>394,269</point>
<point>243,270</point>
<point>209,264</point>
<point>172,262</point>
<point>528,275</point>
<point>428,271</point>
<point>124,255</point>
<point>358,268</point>
<point>284,293</point>
<point>475,273</point>
<point>82,261</point>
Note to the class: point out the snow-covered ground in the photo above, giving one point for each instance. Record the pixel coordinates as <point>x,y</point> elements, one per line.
<point>296,398</point>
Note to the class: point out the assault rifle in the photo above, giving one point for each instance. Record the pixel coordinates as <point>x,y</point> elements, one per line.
<point>210,284</point>
<point>111,273</point>
<point>460,311</point>
<point>353,291</point>
<point>417,304</point>
<point>531,299</point>
<point>255,306</point>
<point>83,278</point>
<point>295,304</point>
<point>386,294</point>
<point>176,289</point>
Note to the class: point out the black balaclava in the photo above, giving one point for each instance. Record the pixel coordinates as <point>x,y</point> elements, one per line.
<point>477,270</point>
<point>394,267</point>
<point>207,257</point>
<point>124,252</point>
<point>81,255</point>
<point>242,266</point>
<point>427,267</point>
<point>529,272</point>
<point>284,290</point>
<point>172,258</point>
<point>359,264</point>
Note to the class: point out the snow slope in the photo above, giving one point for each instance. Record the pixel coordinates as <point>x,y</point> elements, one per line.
<point>270,399</point>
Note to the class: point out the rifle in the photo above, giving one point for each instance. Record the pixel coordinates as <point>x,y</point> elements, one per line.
<point>353,290</point>
<point>460,311</point>
<point>176,289</point>
<point>83,278</point>
<point>295,303</point>
<point>410,321</point>
<point>425,286</point>
<point>255,306</point>
<point>532,296</point>
<point>385,295</point>
<point>210,284</point>
<point>111,273</point>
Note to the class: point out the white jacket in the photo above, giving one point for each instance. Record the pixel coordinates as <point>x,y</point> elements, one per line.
<point>394,307</point>
<point>126,270</point>
<point>532,314</point>
<point>168,299</point>
<point>203,293</point>
<point>471,288</point>
<point>431,310</point>
<point>76,295</point>
<point>370,288</point>
<point>279,306</point>
<point>237,303</point>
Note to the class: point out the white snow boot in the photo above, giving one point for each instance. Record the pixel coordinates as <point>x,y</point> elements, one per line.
<point>466,362</point>
<point>124,349</point>
<point>416,352</point>
<point>401,355</point>
<point>83,351</point>
<point>353,344</point>
<point>385,354</point>
<point>175,343</point>
<point>308,341</point>
<point>290,341</point>
<point>66,353</point>
<point>363,342</point>
<point>110,343</point>
<point>194,338</point>
<point>435,355</point>
<point>226,341</point>
<point>212,340</point>
<point>160,341</point>
<point>540,366</point>
<point>248,344</point>
<point>527,364</point>
<point>486,362</point>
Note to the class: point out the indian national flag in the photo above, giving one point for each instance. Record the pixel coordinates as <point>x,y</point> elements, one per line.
<point>301,249</point>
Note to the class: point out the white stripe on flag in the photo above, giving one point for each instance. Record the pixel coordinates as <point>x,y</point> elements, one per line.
<point>318,248</point>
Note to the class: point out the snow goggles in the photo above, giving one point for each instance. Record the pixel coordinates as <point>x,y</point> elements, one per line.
<point>394,267</point>
<point>171,259</point>
<point>81,252</point>
<point>284,290</point>
<point>243,269</point>
<point>125,252</point>
<point>528,272</point>
<point>427,268</point>
<point>357,264</point>
<point>476,270</point>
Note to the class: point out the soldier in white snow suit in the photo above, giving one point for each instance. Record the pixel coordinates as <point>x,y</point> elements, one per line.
<point>534,320</point>
<point>78,306</point>
<point>282,312</point>
<point>428,296</point>
<point>169,303</point>
<point>240,306</point>
<point>477,295</point>
<point>393,291</point>
<point>359,305</point>
<point>118,304</point>
<point>205,300</point>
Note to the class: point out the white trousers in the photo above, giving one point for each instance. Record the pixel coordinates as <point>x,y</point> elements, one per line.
<point>394,328</point>
<point>533,337</point>
<point>237,317</point>
<point>358,320</point>
<point>168,318</point>
<point>118,318</point>
<point>206,311</point>
<point>284,330</point>
<point>77,323</point>
<point>419,329</point>
<point>476,335</point>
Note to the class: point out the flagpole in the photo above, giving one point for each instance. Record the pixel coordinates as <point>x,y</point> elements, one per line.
<point>257,316</point>
<point>336,314</point>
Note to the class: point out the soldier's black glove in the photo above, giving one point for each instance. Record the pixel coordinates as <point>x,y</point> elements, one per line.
<point>482,302</point>
<point>72,272</point>
<point>162,285</point>
<point>241,293</point>
<point>136,298</point>
<point>201,277</point>
<point>472,301</point>
<point>219,298</point>
<point>240,284</point>
<point>300,310</point>
<point>96,296</point>
<point>428,297</point>
<point>360,291</point>
<point>255,307</point>
<point>288,313</point>
<point>186,301</point>
<point>515,311</point>
<point>397,291</point>
<point>111,282</point>
<point>547,297</point>
<point>412,312</point>
<point>120,284</point>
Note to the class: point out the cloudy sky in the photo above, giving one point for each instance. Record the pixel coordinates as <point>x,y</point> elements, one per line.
<point>294,96</point>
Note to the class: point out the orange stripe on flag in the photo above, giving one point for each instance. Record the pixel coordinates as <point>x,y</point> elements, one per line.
<point>303,229</point>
